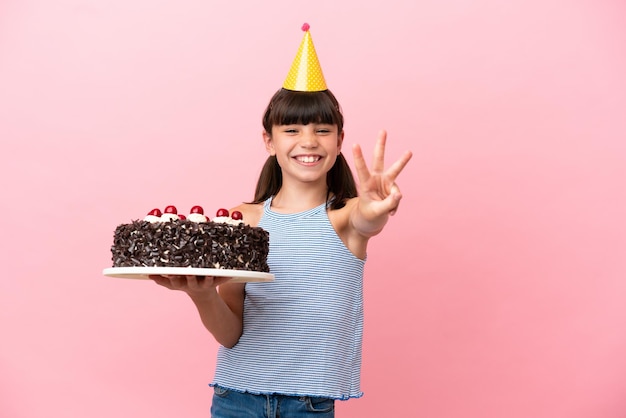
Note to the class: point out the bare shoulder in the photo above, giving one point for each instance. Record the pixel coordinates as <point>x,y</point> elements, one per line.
<point>251,212</point>
<point>340,220</point>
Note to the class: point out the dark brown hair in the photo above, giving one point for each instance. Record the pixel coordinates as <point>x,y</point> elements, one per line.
<point>297,107</point>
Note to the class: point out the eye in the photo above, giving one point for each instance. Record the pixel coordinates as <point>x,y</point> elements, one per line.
<point>289,129</point>
<point>324,131</point>
<point>325,128</point>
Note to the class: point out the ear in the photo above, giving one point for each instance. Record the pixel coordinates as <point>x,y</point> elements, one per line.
<point>269,145</point>
<point>340,141</point>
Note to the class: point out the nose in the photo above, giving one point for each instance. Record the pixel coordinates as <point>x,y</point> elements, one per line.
<point>309,139</point>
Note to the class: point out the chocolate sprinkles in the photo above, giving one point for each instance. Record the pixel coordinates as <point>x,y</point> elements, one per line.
<point>183,243</point>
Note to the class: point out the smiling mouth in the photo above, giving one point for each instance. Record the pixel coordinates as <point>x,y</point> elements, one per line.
<point>308,158</point>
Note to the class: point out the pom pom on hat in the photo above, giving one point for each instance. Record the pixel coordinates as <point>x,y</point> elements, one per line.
<point>305,73</point>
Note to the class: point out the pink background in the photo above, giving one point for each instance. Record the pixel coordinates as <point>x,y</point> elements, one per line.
<point>497,291</point>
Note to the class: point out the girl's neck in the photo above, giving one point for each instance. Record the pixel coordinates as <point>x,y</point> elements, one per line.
<point>293,201</point>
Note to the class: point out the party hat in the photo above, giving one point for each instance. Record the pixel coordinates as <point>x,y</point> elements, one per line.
<point>305,73</point>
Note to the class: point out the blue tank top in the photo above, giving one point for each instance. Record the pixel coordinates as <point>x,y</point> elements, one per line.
<point>302,333</point>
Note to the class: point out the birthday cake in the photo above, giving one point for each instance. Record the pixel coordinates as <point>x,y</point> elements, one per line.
<point>169,239</point>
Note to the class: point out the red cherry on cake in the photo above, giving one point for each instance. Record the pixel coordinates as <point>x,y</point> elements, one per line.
<point>236,215</point>
<point>171,209</point>
<point>197,209</point>
<point>182,217</point>
<point>222,212</point>
<point>155,212</point>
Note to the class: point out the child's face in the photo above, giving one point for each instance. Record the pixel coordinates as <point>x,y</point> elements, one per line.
<point>304,152</point>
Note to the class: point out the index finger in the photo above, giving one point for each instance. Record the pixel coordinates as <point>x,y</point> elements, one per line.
<point>360,167</point>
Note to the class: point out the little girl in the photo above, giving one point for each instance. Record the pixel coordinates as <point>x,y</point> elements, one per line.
<point>291,347</point>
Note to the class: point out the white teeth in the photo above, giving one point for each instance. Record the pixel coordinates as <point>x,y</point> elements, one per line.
<point>308,158</point>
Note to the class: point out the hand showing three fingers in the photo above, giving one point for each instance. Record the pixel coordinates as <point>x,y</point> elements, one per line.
<point>379,195</point>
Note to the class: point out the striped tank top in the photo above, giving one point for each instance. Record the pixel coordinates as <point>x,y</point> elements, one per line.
<point>302,333</point>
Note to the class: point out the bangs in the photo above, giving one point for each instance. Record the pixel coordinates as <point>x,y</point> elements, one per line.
<point>297,107</point>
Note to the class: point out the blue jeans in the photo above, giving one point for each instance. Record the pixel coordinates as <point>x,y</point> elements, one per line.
<point>232,404</point>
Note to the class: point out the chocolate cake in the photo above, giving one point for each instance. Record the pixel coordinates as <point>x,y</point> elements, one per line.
<point>172,240</point>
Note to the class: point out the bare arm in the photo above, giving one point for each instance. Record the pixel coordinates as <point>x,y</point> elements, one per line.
<point>221,311</point>
<point>379,196</point>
